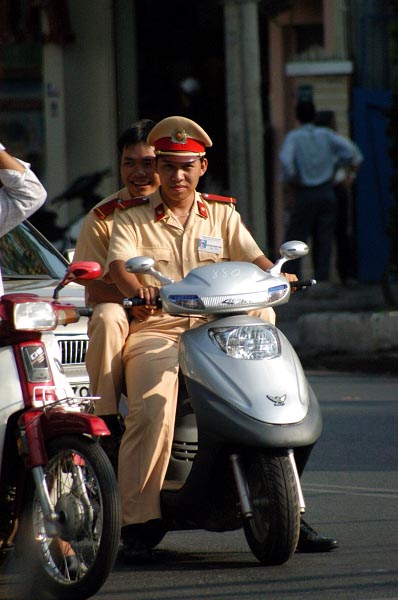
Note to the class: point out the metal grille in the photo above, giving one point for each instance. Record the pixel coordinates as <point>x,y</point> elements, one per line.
<point>185,451</point>
<point>73,351</point>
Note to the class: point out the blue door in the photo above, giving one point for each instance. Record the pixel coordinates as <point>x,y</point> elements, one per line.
<point>373,198</point>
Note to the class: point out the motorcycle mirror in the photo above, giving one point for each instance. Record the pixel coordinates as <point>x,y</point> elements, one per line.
<point>145,264</point>
<point>289,251</point>
<point>79,270</point>
<point>293,249</point>
<point>139,264</point>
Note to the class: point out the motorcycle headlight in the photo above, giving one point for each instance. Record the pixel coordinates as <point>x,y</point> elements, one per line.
<point>34,316</point>
<point>247,342</point>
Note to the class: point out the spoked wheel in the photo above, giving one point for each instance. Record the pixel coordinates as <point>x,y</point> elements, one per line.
<point>272,533</point>
<point>73,564</point>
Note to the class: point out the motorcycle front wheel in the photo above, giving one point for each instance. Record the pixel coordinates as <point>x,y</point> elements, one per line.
<point>74,563</point>
<point>273,530</point>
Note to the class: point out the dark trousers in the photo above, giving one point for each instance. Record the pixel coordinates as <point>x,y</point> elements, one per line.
<point>313,215</point>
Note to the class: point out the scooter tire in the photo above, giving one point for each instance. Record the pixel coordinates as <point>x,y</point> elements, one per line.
<point>83,487</point>
<point>273,530</point>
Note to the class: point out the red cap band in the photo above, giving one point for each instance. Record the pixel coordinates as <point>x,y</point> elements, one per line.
<point>167,144</point>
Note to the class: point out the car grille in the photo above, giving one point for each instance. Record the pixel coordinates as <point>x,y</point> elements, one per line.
<point>73,351</point>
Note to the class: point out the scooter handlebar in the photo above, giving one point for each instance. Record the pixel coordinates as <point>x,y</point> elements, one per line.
<point>130,302</point>
<point>302,284</point>
<point>85,311</point>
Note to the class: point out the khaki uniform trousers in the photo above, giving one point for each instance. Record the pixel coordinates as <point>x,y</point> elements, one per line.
<point>151,370</point>
<point>107,330</point>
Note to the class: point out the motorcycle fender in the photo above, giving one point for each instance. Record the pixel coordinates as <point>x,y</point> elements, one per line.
<point>38,427</point>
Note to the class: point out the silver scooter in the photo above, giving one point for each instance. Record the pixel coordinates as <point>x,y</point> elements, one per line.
<point>246,415</point>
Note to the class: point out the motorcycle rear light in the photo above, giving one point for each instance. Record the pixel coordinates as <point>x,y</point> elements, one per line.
<point>247,342</point>
<point>34,316</point>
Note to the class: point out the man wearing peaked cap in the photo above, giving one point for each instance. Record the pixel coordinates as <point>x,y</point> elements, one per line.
<point>180,138</point>
<point>180,229</point>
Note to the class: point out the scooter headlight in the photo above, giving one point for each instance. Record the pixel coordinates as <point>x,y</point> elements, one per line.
<point>247,342</point>
<point>34,316</point>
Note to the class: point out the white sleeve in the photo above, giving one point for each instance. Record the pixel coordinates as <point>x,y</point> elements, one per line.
<point>21,195</point>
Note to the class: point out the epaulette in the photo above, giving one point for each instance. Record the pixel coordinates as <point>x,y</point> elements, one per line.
<point>123,204</point>
<point>215,198</point>
<point>106,209</point>
<point>117,203</point>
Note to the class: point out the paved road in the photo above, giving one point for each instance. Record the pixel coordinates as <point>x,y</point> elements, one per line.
<point>351,488</point>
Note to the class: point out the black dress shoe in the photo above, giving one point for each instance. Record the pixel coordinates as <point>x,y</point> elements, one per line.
<point>311,541</point>
<point>139,540</point>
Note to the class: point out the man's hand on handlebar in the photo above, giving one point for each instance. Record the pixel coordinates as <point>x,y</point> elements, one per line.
<point>150,295</point>
<point>290,277</point>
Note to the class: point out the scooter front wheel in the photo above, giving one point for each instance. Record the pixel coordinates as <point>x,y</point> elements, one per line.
<point>272,532</point>
<point>74,563</point>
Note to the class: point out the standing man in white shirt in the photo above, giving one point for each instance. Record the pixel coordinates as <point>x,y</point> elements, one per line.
<point>308,157</point>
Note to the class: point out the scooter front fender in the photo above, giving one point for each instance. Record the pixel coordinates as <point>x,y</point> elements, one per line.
<point>273,390</point>
<point>36,427</point>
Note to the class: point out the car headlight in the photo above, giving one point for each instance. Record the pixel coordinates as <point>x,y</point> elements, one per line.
<point>247,342</point>
<point>34,316</point>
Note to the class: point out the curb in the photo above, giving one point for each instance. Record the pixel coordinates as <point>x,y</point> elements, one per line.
<point>363,332</point>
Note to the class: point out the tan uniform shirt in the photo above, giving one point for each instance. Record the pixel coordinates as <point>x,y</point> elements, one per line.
<point>93,241</point>
<point>214,232</point>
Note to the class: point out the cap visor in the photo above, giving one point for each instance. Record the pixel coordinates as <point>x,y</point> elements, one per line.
<point>178,158</point>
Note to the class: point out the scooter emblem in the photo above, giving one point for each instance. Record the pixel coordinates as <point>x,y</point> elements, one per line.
<point>277,400</point>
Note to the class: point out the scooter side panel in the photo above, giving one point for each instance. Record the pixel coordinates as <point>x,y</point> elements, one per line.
<point>274,391</point>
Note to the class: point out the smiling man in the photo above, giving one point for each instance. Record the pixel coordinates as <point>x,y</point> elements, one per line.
<point>108,327</point>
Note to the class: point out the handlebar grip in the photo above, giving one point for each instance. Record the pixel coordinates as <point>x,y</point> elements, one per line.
<point>302,283</point>
<point>85,311</point>
<point>130,302</point>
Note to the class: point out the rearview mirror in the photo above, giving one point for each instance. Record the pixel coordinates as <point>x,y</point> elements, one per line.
<point>79,270</point>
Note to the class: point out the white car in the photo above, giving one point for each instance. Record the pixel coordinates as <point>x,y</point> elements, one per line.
<point>31,264</point>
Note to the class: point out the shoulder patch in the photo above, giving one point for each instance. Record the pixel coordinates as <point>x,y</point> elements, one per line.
<point>106,209</point>
<point>215,198</point>
<point>117,203</point>
<point>131,202</point>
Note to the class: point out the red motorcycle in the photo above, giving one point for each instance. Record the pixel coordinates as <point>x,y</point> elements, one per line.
<point>59,500</point>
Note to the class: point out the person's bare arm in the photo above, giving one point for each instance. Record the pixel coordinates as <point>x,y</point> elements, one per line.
<point>129,284</point>
<point>99,291</point>
<point>9,162</point>
<point>264,263</point>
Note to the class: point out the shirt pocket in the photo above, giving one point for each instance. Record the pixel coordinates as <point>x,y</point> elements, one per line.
<point>213,257</point>
<point>161,256</point>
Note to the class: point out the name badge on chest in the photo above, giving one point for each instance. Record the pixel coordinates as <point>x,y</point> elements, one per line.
<point>210,244</point>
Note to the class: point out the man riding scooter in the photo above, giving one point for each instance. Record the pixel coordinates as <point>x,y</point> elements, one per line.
<point>181,229</point>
